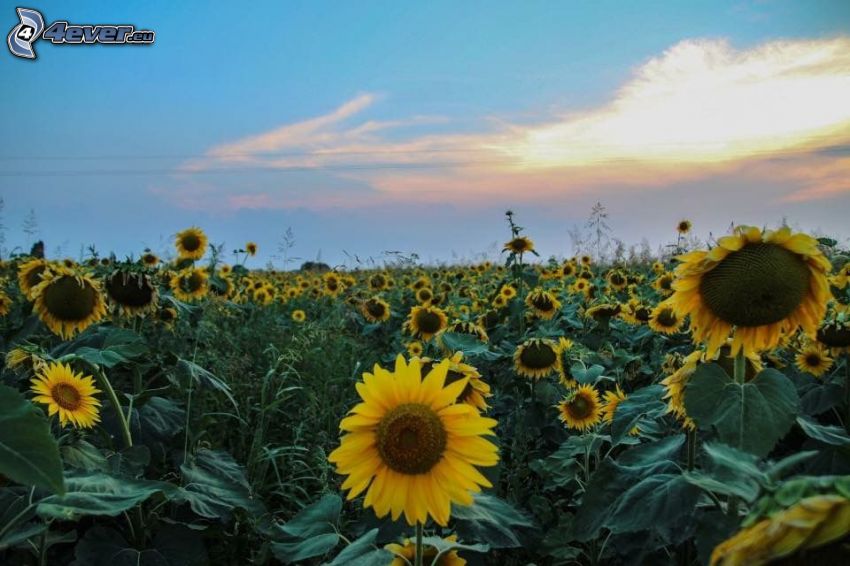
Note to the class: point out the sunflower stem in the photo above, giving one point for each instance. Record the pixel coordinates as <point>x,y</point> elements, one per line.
<point>691,440</point>
<point>420,553</point>
<point>740,367</point>
<point>847,392</point>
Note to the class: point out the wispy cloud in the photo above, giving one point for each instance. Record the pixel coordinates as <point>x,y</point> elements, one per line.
<point>699,108</point>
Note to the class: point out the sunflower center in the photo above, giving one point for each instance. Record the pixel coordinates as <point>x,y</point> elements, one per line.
<point>666,318</point>
<point>193,282</point>
<point>428,322</point>
<point>813,360</point>
<point>68,299</point>
<point>759,284</point>
<point>542,302</point>
<point>375,308</point>
<point>580,407</point>
<point>411,438</point>
<point>66,396</point>
<point>538,356</point>
<point>130,290</point>
<point>191,242</point>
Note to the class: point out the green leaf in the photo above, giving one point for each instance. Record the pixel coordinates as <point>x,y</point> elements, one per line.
<point>645,403</point>
<point>173,545</point>
<point>319,545</point>
<point>490,520</point>
<point>445,546</point>
<point>187,370</point>
<point>318,518</point>
<point>834,435</point>
<point>363,552</point>
<point>28,452</point>
<point>656,501</point>
<point>84,455</point>
<point>752,416</point>
<point>96,493</point>
<point>650,453</point>
<point>215,485</point>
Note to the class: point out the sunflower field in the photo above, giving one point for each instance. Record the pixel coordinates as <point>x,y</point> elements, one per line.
<point>687,409</point>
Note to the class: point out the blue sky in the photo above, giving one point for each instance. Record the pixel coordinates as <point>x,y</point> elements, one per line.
<point>372,126</point>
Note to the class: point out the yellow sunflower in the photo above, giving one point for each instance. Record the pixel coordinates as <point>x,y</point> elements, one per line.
<point>684,226</point>
<point>29,276</point>
<point>814,359</point>
<point>754,286</point>
<point>251,249</point>
<point>190,284</point>
<point>424,321</point>
<point>543,303</point>
<point>663,320</point>
<point>616,280</point>
<point>536,358</point>
<point>375,310</point>
<point>191,243</point>
<point>68,302</point>
<point>299,315</point>
<point>149,259</point>
<point>5,303</point>
<point>414,348</point>
<point>612,401</point>
<point>69,394</point>
<point>405,554</point>
<point>519,245</point>
<point>581,408</point>
<point>410,447</point>
<point>508,292</point>
<point>835,335</point>
<point>424,295</point>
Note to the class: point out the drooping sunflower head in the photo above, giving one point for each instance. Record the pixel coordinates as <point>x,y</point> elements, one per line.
<point>543,303</point>
<point>612,401</point>
<point>754,286</point>
<point>410,447</point>
<point>835,335</point>
<point>190,284</point>
<point>251,249</point>
<point>132,293</point>
<point>664,320</point>
<point>299,315</point>
<point>603,311</point>
<point>684,226</point>
<point>519,245</point>
<point>68,394</point>
<point>5,303</point>
<point>581,408</point>
<point>536,358</point>
<point>425,321</point>
<point>191,243</point>
<point>814,359</point>
<point>67,301</point>
<point>375,310</point>
<point>469,328</point>
<point>29,276</point>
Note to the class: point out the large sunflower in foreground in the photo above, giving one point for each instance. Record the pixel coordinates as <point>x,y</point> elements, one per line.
<point>581,408</point>
<point>410,447</point>
<point>424,321</point>
<point>67,301</point>
<point>754,286</point>
<point>191,243</point>
<point>68,394</point>
<point>536,358</point>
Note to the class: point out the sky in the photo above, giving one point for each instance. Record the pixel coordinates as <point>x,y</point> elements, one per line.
<point>374,127</point>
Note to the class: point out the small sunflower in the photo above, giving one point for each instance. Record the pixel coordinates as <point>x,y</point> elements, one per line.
<point>190,284</point>
<point>536,358</point>
<point>68,302</point>
<point>29,276</point>
<point>664,320</point>
<point>149,259</point>
<point>425,321</point>
<point>616,280</point>
<point>405,554</point>
<point>410,447</point>
<point>69,394</point>
<point>191,243</point>
<point>415,349</point>
<point>251,249</point>
<point>375,310</point>
<point>814,359</point>
<point>519,245</point>
<point>299,315</point>
<point>754,286</point>
<point>664,283</point>
<point>543,303</point>
<point>508,292</point>
<point>424,295</point>
<point>5,303</point>
<point>581,408</point>
<point>684,227</point>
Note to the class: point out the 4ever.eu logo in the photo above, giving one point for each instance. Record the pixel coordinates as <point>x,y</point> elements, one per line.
<point>32,27</point>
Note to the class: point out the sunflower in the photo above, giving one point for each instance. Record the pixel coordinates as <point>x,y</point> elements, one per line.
<point>658,267</point>
<point>332,284</point>
<point>582,287</point>
<point>616,280</point>
<point>190,284</point>
<point>835,335</point>
<point>684,226</point>
<point>612,401</point>
<point>191,243</point>
<point>635,312</point>
<point>68,302</point>
<point>508,292</point>
<point>375,310</point>
<point>67,393</point>
<point>378,282</point>
<point>131,293</point>
<point>754,286</point>
<point>251,249</point>
<point>585,260</point>
<point>167,315</point>
<point>424,295</point>
<point>603,311</point>
<point>519,245</point>
<point>536,358</point>
<point>414,348</point>
<point>581,408</point>
<point>299,315</point>
<point>476,391</point>
<point>425,321</point>
<point>29,276</point>
<point>470,328</point>
<point>543,303</point>
<point>405,554</point>
<point>814,359</point>
<point>149,259</point>
<point>568,269</point>
<point>663,320</point>
<point>664,283</point>
<point>5,303</point>
<point>410,447</point>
